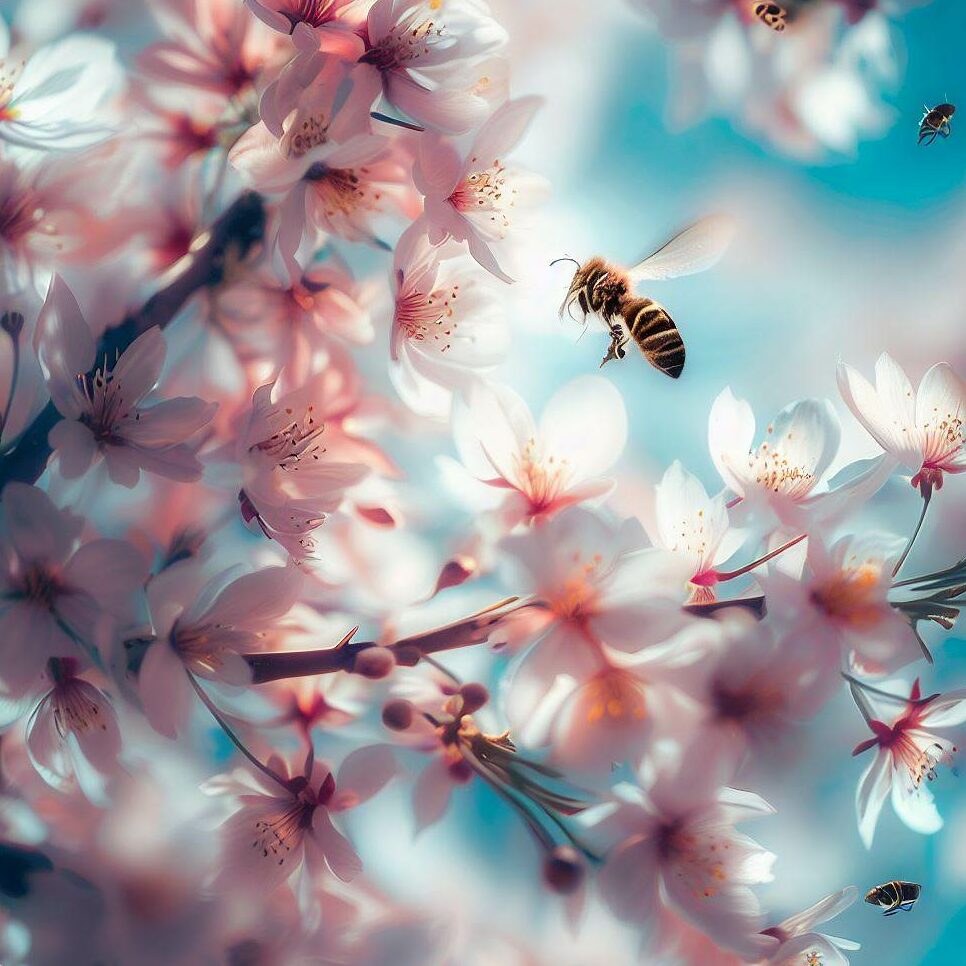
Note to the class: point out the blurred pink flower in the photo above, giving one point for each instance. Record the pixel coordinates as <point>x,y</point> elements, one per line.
<point>58,597</point>
<point>54,100</point>
<point>675,845</point>
<point>907,751</point>
<point>921,428</point>
<point>545,466</point>
<point>476,198</point>
<point>800,943</point>
<point>73,735</point>
<point>840,608</point>
<point>428,57</point>
<point>212,45</point>
<point>310,22</point>
<point>205,631</point>
<point>102,415</point>
<point>289,482</point>
<point>447,324</point>
<point>286,826</point>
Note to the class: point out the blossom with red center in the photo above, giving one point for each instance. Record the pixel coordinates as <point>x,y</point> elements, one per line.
<point>283,826</point>
<point>477,199</point>
<point>923,428</point>
<point>908,752</point>
<point>549,465</point>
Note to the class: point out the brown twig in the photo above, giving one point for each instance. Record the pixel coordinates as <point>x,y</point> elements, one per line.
<point>228,241</point>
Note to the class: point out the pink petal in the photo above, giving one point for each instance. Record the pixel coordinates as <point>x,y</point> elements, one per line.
<point>74,446</point>
<point>339,854</point>
<point>431,794</point>
<point>364,772</point>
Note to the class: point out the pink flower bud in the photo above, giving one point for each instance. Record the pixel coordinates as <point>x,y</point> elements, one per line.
<point>397,715</point>
<point>374,662</point>
<point>563,869</point>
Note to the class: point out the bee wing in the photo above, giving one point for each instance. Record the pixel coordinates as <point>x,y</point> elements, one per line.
<point>693,250</point>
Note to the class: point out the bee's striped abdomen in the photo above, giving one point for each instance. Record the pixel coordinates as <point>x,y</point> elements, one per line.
<point>656,335</point>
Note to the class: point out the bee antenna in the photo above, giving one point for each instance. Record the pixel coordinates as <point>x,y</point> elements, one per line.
<point>565,258</point>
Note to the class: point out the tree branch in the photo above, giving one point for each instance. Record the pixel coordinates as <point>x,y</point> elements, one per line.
<point>228,241</point>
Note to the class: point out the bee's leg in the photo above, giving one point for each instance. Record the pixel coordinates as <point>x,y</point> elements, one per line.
<point>928,136</point>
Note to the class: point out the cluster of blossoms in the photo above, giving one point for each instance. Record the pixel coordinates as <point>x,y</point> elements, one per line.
<point>201,504</point>
<point>812,88</point>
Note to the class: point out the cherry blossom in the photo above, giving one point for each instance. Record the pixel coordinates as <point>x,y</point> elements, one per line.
<point>205,633</point>
<point>447,325</point>
<point>549,465</point>
<point>921,428</point>
<point>476,198</point>
<point>675,845</point>
<point>58,596</point>
<point>285,826</point>
<point>428,58</point>
<point>53,100</point>
<point>289,480</point>
<point>907,752</point>
<point>800,943</point>
<point>103,417</point>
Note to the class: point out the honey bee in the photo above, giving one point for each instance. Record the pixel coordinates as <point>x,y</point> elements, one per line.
<point>606,291</point>
<point>893,896</point>
<point>935,123</point>
<point>771,15</point>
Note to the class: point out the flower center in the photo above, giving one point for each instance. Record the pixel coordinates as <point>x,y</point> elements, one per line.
<point>310,133</point>
<point>852,597</point>
<point>578,592</point>
<point>486,190</point>
<point>341,191</point>
<point>944,438</point>
<point>20,212</point>
<point>74,711</point>
<point>296,442</point>
<point>429,317</point>
<point>406,41</point>
<point>106,408</point>
<point>277,835</point>
<point>315,13</point>
<point>9,74</point>
<point>613,695</point>
<point>38,586</point>
<point>697,858</point>
<point>776,472</point>
<point>542,478</point>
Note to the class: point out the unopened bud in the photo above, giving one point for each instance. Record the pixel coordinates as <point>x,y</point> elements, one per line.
<point>397,715</point>
<point>474,697</point>
<point>374,662</point>
<point>563,869</point>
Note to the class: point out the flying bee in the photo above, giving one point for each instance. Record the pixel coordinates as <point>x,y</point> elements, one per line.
<point>935,123</point>
<point>893,896</point>
<point>771,15</point>
<point>605,290</point>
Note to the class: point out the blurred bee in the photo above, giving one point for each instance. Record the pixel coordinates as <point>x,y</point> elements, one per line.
<point>935,123</point>
<point>771,15</point>
<point>606,291</point>
<point>893,896</point>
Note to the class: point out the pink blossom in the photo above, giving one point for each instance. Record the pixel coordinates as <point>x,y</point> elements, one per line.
<point>73,736</point>
<point>546,466</point>
<point>285,826</point>
<point>23,389</point>
<point>800,943</point>
<point>205,633</point>
<point>58,596</point>
<point>674,845</point>
<point>475,199</point>
<point>289,480</point>
<point>447,325</point>
<point>840,607</point>
<point>54,99</point>
<point>311,23</point>
<point>428,57</point>
<point>907,751</point>
<point>921,428</point>
<point>103,418</point>
<point>212,45</point>
<point>694,527</point>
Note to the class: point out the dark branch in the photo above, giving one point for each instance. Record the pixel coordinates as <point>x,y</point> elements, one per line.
<point>230,239</point>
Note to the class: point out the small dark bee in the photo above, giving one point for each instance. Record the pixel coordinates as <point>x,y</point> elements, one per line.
<point>935,123</point>
<point>771,15</point>
<point>893,896</point>
<point>606,291</point>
